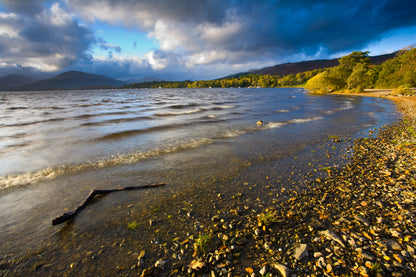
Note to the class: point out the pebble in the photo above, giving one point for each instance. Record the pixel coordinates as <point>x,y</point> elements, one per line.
<point>301,252</point>
<point>282,269</point>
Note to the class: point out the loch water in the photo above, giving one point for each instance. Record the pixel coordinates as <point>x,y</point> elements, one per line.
<point>55,146</point>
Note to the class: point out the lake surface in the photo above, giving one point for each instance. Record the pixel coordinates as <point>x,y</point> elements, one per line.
<point>56,146</point>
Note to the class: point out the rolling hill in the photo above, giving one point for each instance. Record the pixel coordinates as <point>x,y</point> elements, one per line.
<point>10,82</point>
<point>73,80</point>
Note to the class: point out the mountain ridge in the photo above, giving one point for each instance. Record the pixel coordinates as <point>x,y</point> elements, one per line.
<point>70,80</point>
<point>302,66</point>
<point>14,80</point>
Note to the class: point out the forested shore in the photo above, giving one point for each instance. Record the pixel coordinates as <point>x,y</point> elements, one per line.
<point>354,73</point>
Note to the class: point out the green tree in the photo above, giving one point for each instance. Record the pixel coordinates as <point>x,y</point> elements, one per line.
<point>408,67</point>
<point>356,57</point>
<point>359,78</point>
<point>321,83</point>
<point>347,64</point>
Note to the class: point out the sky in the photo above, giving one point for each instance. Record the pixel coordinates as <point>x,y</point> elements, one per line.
<point>193,39</point>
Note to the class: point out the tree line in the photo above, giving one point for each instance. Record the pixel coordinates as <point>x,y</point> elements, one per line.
<point>353,73</point>
<point>250,80</point>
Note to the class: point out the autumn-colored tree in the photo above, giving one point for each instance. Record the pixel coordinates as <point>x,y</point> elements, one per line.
<point>321,83</point>
<point>359,78</point>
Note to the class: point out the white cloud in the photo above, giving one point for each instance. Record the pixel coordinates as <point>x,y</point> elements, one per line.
<point>156,62</point>
<point>9,24</point>
<point>57,16</point>
<point>215,35</point>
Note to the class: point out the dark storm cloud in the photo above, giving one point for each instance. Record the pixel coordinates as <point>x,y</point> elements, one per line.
<point>309,25</point>
<point>241,29</point>
<point>46,41</point>
<point>205,35</point>
<point>212,11</point>
<point>28,7</point>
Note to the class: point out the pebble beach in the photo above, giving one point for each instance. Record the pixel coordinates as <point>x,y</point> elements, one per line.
<point>358,221</point>
<point>355,220</point>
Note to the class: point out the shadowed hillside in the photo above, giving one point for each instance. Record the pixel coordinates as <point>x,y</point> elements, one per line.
<point>73,80</point>
<point>294,68</point>
<point>10,82</point>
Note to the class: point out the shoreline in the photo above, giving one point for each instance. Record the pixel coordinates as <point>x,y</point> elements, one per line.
<point>357,221</point>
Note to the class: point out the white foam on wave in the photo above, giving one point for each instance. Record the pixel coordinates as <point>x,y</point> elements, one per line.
<point>346,106</point>
<point>121,159</point>
<point>131,158</point>
<point>224,107</point>
<point>273,125</point>
<point>304,120</point>
<point>282,111</point>
<point>180,112</point>
<point>234,133</point>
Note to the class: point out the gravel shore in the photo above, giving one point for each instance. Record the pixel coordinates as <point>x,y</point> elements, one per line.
<point>357,220</point>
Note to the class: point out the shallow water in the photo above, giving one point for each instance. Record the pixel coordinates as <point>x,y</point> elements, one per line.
<point>57,146</point>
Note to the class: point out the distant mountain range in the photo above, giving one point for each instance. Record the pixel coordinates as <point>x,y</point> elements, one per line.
<point>294,68</point>
<point>11,81</point>
<point>64,81</point>
<point>81,80</point>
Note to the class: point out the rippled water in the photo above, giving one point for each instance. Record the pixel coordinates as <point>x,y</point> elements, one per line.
<point>55,146</point>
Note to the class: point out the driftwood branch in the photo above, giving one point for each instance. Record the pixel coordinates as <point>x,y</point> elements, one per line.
<point>70,215</point>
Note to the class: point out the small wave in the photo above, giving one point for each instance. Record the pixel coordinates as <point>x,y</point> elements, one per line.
<point>282,111</point>
<point>121,159</point>
<point>17,108</point>
<point>15,136</point>
<point>224,107</point>
<point>304,120</point>
<point>346,106</point>
<point>83,116</point>
<point>233,133</point>
<point>117,120</point>
<point>89,105</point>
<point>273,125</point>
<point>180,112</point>
<point>180,107</point>
<point>135,132</point>
<point>49,108</point>
<point>33,122</point>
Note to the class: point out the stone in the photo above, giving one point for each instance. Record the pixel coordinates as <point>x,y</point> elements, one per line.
<point>263,270</point>
<point>321,262</point>
<point>394,245</point>
<point>317,254</point>
<point>141,255</point>
<point>362,220</point>
<point>332,236</point>
<point>283,270</point>
<point>161,263</point>
<point>301,252</point>
<point>147,272</point>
